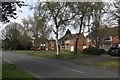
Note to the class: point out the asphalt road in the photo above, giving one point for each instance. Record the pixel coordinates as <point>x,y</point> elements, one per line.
<point>48,68</point>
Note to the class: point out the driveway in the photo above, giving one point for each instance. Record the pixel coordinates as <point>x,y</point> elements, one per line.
<point>49,68</point>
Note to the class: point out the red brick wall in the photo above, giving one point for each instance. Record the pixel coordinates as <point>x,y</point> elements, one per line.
<point>115,41</point>
<point>81,42</point>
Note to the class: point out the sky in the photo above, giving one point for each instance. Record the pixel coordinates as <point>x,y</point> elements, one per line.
<point>26,12</point>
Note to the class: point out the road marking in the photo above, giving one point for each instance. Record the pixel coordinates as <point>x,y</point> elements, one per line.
<point>8,61</point>
<point>69,68</point>
<point>62,67</point>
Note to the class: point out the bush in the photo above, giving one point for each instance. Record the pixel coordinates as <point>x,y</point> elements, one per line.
<point>93,51</point>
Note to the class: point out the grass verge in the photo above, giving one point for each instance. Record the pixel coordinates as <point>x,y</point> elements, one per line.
<point>113,64</point>
<point>10,71</point>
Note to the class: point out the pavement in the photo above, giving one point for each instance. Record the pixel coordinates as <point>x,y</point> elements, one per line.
<point>48,68</point>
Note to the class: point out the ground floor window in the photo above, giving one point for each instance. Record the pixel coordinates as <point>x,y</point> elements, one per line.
<point>106,47</point>
<point>42,45</point>
<point>67,46</point>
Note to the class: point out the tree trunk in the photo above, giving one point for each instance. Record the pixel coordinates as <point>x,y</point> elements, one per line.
<point>57,46</point>
<point>25,48</point>
<point>76,45</point>
<point>76,41</point>
<point>119,28</point>
<point>97,43</point>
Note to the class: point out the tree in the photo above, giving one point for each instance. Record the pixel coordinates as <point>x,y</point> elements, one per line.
<point>15,37</point>
<point>97,23</point>
<point>11,37</point>
<point>103,33</point>
<point>114,14</point>
<point>34,26</point>
<point>86,11</point>
<point>119,28</point>
<point>9,10</point>
<point>57,15</point>
<point>24,40</point>
<point>83,10</point>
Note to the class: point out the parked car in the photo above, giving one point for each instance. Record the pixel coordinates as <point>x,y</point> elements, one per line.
<point>114,51</point>
<point>40,49</point>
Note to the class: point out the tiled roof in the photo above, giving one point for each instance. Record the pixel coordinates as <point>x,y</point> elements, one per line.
<point>69,37</point>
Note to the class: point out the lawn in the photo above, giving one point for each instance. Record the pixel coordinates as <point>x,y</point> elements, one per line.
<point>112,64</point>
<point>52,54</point>
<point>10,71</point>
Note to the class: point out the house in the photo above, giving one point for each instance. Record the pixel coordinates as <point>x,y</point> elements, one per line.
<point>51,44</point>
<point>111,41</point>
<point>43,43</point>
<point>67,42</point>
<point>47,44</point>
<point>115,41</point>
<point>106,43</point>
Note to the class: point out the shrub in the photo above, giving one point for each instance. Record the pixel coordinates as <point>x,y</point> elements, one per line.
<point>93,51</point>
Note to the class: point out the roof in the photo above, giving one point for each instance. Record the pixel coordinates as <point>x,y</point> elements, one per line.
<point>70,36</point>
<point>43,39</point>
<point>51,39</point>
<point>68,31</point>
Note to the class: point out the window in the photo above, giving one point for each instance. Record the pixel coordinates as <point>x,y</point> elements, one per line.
<point>67,45</point>
<point>63,46</point>
<point>67,41</point>
<point>62,42</point>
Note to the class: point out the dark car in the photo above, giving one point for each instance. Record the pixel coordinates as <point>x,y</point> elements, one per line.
<point>114,51</point>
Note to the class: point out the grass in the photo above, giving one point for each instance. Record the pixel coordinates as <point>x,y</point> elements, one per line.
<point>113,64</point>
<point>11,71</point>
<point>52,54</point>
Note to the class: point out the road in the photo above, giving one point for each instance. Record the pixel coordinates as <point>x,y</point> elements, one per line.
<point>49,68</point>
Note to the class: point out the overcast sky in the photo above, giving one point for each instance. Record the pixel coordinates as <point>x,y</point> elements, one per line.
<point>26,12</point>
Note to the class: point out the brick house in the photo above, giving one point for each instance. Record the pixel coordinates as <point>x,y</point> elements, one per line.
<point>111,41</point>
<point>115,41</point>
<point>48,44</point>
<point>51,44</point>
<point>108,41</point>
<point>67,42</point>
